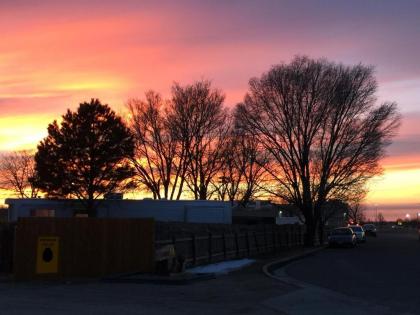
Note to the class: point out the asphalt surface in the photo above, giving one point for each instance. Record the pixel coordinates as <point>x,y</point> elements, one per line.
<point>241,292</point>
<point>384,273</point>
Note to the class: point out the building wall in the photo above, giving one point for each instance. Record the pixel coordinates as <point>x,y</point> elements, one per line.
<point>200,211</point>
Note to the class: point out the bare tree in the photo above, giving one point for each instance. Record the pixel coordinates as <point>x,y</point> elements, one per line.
<point>343,207</point>
<point>242,173</point>
<point>227,181</point>
<point>356,210</point>
<point>17,172</point>
<point>331,209</point>
<point>159,158</point>
<point>319,122</point>
<point>197,118</point>
<point>381,219</point>
<point>356,213</point>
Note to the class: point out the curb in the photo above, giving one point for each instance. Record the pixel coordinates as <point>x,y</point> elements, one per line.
<point>268,268</point>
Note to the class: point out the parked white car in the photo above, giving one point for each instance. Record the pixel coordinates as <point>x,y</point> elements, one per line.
<point>360,233</point>
<point>342,237</point>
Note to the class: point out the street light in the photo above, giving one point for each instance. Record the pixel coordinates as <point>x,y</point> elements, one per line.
<point>418,226</point>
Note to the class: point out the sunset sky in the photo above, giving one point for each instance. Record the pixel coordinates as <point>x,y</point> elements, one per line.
<point>53,55</point>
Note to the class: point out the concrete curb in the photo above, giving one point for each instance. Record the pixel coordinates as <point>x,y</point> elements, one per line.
<point>270,267</point>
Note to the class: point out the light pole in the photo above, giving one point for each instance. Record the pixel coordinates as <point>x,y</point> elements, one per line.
<point>407,220</point>
<point>418,227</point>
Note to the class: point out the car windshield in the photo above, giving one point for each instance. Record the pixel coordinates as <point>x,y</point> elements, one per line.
<point>357,228</point>
<point>341,232</point>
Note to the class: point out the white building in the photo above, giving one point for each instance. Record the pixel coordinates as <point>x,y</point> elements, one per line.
<point>196,211</point>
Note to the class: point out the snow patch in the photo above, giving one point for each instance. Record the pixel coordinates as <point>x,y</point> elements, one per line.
<point>222,267</point>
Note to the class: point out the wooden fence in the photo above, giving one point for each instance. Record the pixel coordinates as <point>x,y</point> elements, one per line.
<point>7,237</point>
<point>96,247</point>
<point>198,249</point>
<point>85,247</point>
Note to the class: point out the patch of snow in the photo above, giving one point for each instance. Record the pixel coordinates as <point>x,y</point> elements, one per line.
<point>222,267</point>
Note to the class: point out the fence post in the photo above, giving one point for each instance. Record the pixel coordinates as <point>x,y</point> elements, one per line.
<point>194,248</point>
<point>280,237</point>
<point>294,236</point>
<point>237,244</point>
<point>302,235</point>
<point>174,243</point>
<point>224,245</point>
<point>292,232</point>
<point>273,231</point>
<point>248,249</point>
<point>301,232</point>
<point>290,237</point>
<point>256,242</point>
<point>265,239</point>
<point>297,236</point>
<point>210,252</point>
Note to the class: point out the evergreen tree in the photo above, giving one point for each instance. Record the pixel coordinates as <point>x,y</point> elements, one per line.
<point>85,156</point>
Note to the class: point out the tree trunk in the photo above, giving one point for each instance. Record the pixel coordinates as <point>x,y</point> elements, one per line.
<point>90,208</point>
<point>321,229</point>
<point>202,195</point>
<point>310,231</point>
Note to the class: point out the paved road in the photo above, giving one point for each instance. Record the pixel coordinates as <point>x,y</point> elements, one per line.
<point>381,276</point>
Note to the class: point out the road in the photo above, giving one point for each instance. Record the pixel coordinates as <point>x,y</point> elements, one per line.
<point>384,273</point>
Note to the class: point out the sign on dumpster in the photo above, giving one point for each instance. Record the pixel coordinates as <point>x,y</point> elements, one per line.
<point>47,254</point>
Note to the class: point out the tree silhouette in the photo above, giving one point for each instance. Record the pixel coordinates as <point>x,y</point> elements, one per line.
<point>17,173</point>
<point>356,213</point>
<point>158,160</point>
<point>86,156</point>
<point>179,141</point>
<point>381,219</point>
<point>242,172</point>
<point>197,119</point>
<point>322,128</point>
